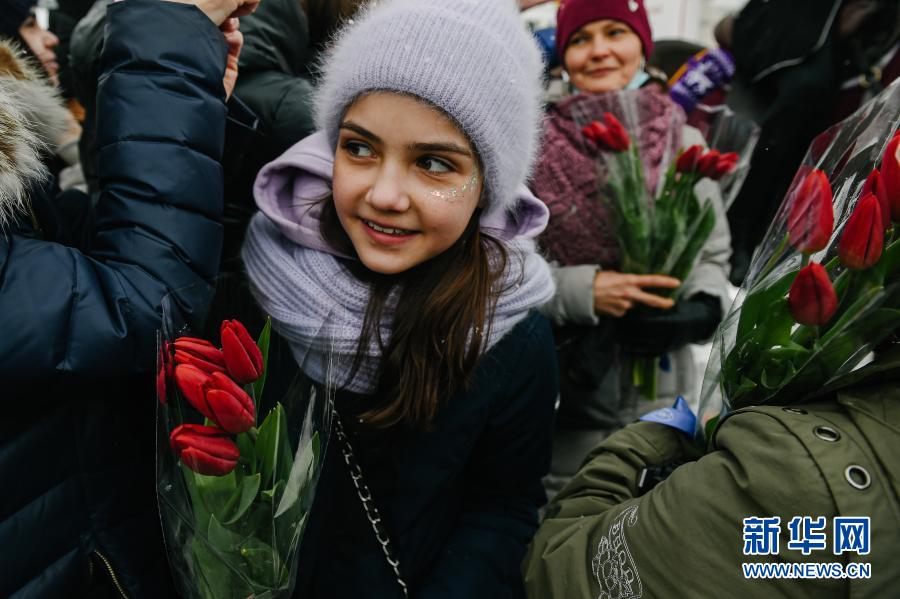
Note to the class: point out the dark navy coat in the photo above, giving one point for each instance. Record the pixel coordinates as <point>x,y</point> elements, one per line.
<point>77,346</point>
<point>460,502</point>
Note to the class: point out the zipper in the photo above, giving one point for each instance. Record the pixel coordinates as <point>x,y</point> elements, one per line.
<point>112,573</point>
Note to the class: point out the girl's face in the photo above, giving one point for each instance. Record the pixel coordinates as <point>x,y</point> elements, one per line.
<point>603,56</point>
<point>406,181</point>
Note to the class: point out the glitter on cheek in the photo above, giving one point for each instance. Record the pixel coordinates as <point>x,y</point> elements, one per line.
<point>454,193</point>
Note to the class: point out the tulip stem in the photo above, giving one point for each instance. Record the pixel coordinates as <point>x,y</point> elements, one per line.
<point>776,256</point>
<point>253,432</point>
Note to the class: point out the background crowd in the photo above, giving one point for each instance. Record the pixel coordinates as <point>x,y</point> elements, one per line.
<point>131,137</point>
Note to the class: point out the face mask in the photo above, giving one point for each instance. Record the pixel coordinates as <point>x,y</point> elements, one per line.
<point>639,79</point>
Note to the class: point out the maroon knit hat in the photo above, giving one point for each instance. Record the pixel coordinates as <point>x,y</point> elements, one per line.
<point>575,14</point>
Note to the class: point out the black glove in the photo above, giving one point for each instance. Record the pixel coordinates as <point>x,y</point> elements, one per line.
<point>649,331</point>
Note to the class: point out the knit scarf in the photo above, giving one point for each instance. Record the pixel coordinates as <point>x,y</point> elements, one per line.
<point>318,306</point>
<point>570,177</point>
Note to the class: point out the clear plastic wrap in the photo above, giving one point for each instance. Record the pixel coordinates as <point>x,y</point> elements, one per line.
<point>761,353</point>
<point>235,534</point>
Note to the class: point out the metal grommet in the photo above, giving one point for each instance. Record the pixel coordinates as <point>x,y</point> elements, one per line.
<point>858,477</point>
<point>826,433</point>
<point>795,410</point>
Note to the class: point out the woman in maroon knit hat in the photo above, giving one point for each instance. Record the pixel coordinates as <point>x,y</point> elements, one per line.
<point>604,317</point>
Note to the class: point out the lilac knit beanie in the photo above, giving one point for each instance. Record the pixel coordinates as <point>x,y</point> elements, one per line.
<point>473,59</point>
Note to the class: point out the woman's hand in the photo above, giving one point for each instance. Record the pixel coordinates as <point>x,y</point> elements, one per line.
<point>235,40</point>
<point>615,293</point>
<point>219,10</point>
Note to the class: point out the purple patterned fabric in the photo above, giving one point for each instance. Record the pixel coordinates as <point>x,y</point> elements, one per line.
<point>568,176</point>
<point>702,74</point>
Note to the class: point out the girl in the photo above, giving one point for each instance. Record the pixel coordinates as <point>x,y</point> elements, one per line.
<point>603,316</point>
<point>397,241</point>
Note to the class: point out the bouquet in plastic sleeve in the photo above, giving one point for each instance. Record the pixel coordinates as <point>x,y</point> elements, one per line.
<point>727,134</point>
<point>239,453</point>
<point>649,184</point>
<point>824,287</point>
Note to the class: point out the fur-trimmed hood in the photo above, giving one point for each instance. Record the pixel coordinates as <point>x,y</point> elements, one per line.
<point>32,119</point>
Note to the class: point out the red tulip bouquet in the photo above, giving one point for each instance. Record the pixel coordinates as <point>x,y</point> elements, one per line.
<point>236,469</point>
<point>824,287</point>
<point>661,224</point>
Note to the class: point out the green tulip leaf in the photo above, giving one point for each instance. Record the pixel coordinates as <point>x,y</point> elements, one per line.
<point>248,452</point>
<point>271,495</point>
<point>710,426</point>
<point>269,443</point>
<point>216,493</point>
<point>753,309</point>
<point>213,577</point>
<point>285,455</point>
<point>298,527</point>
<point>226,544</point>
<point>890,260</point>
<point>263,343</point>
<point>852,313</point>
<point>688,255</point>
<point>248,491</point>
<point>776,373</point>
<point>300,476</point>
<point>201,514</point>
<point>745,389</point>
<point>792,352</point>
<point>263,562</point>
<point>223,539</point>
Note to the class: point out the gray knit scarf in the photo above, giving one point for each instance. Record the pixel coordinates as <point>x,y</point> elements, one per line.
<point>318,306</point>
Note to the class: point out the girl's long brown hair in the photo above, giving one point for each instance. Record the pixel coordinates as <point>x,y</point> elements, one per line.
<point>441,322</point>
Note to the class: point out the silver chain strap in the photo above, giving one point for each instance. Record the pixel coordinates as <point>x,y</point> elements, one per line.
<point>365,496</point>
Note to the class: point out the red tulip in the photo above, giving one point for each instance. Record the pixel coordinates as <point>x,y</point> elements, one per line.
<point>164,373</point>
<point>863,238</point>
<point>611,135</point>
<point>204,449</point>
<point>725,165</point>
<point>687,161</point>
<point>242,356</point>
<point>161,385</point>
<point>811,217</point>
<point>875,184</point>
<point>231,407</point>
<point>707,163</point>
<point>217,397</point>
<point>192,382</point>
<point>890,174</point>
<point>200,353</point>
<point>812,300</point>
<point>619,141</point>
<point>594,131</point>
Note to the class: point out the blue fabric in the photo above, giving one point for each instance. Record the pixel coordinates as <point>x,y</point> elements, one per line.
<point>639,79</point>
<point>78,343</point>
<point>460,501</point>
<point>679,416</point>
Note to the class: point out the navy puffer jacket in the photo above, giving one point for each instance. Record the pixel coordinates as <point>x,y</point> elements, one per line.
<point>78,344</point>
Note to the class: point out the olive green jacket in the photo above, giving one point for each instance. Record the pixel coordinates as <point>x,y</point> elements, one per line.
<point>684,538</point>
